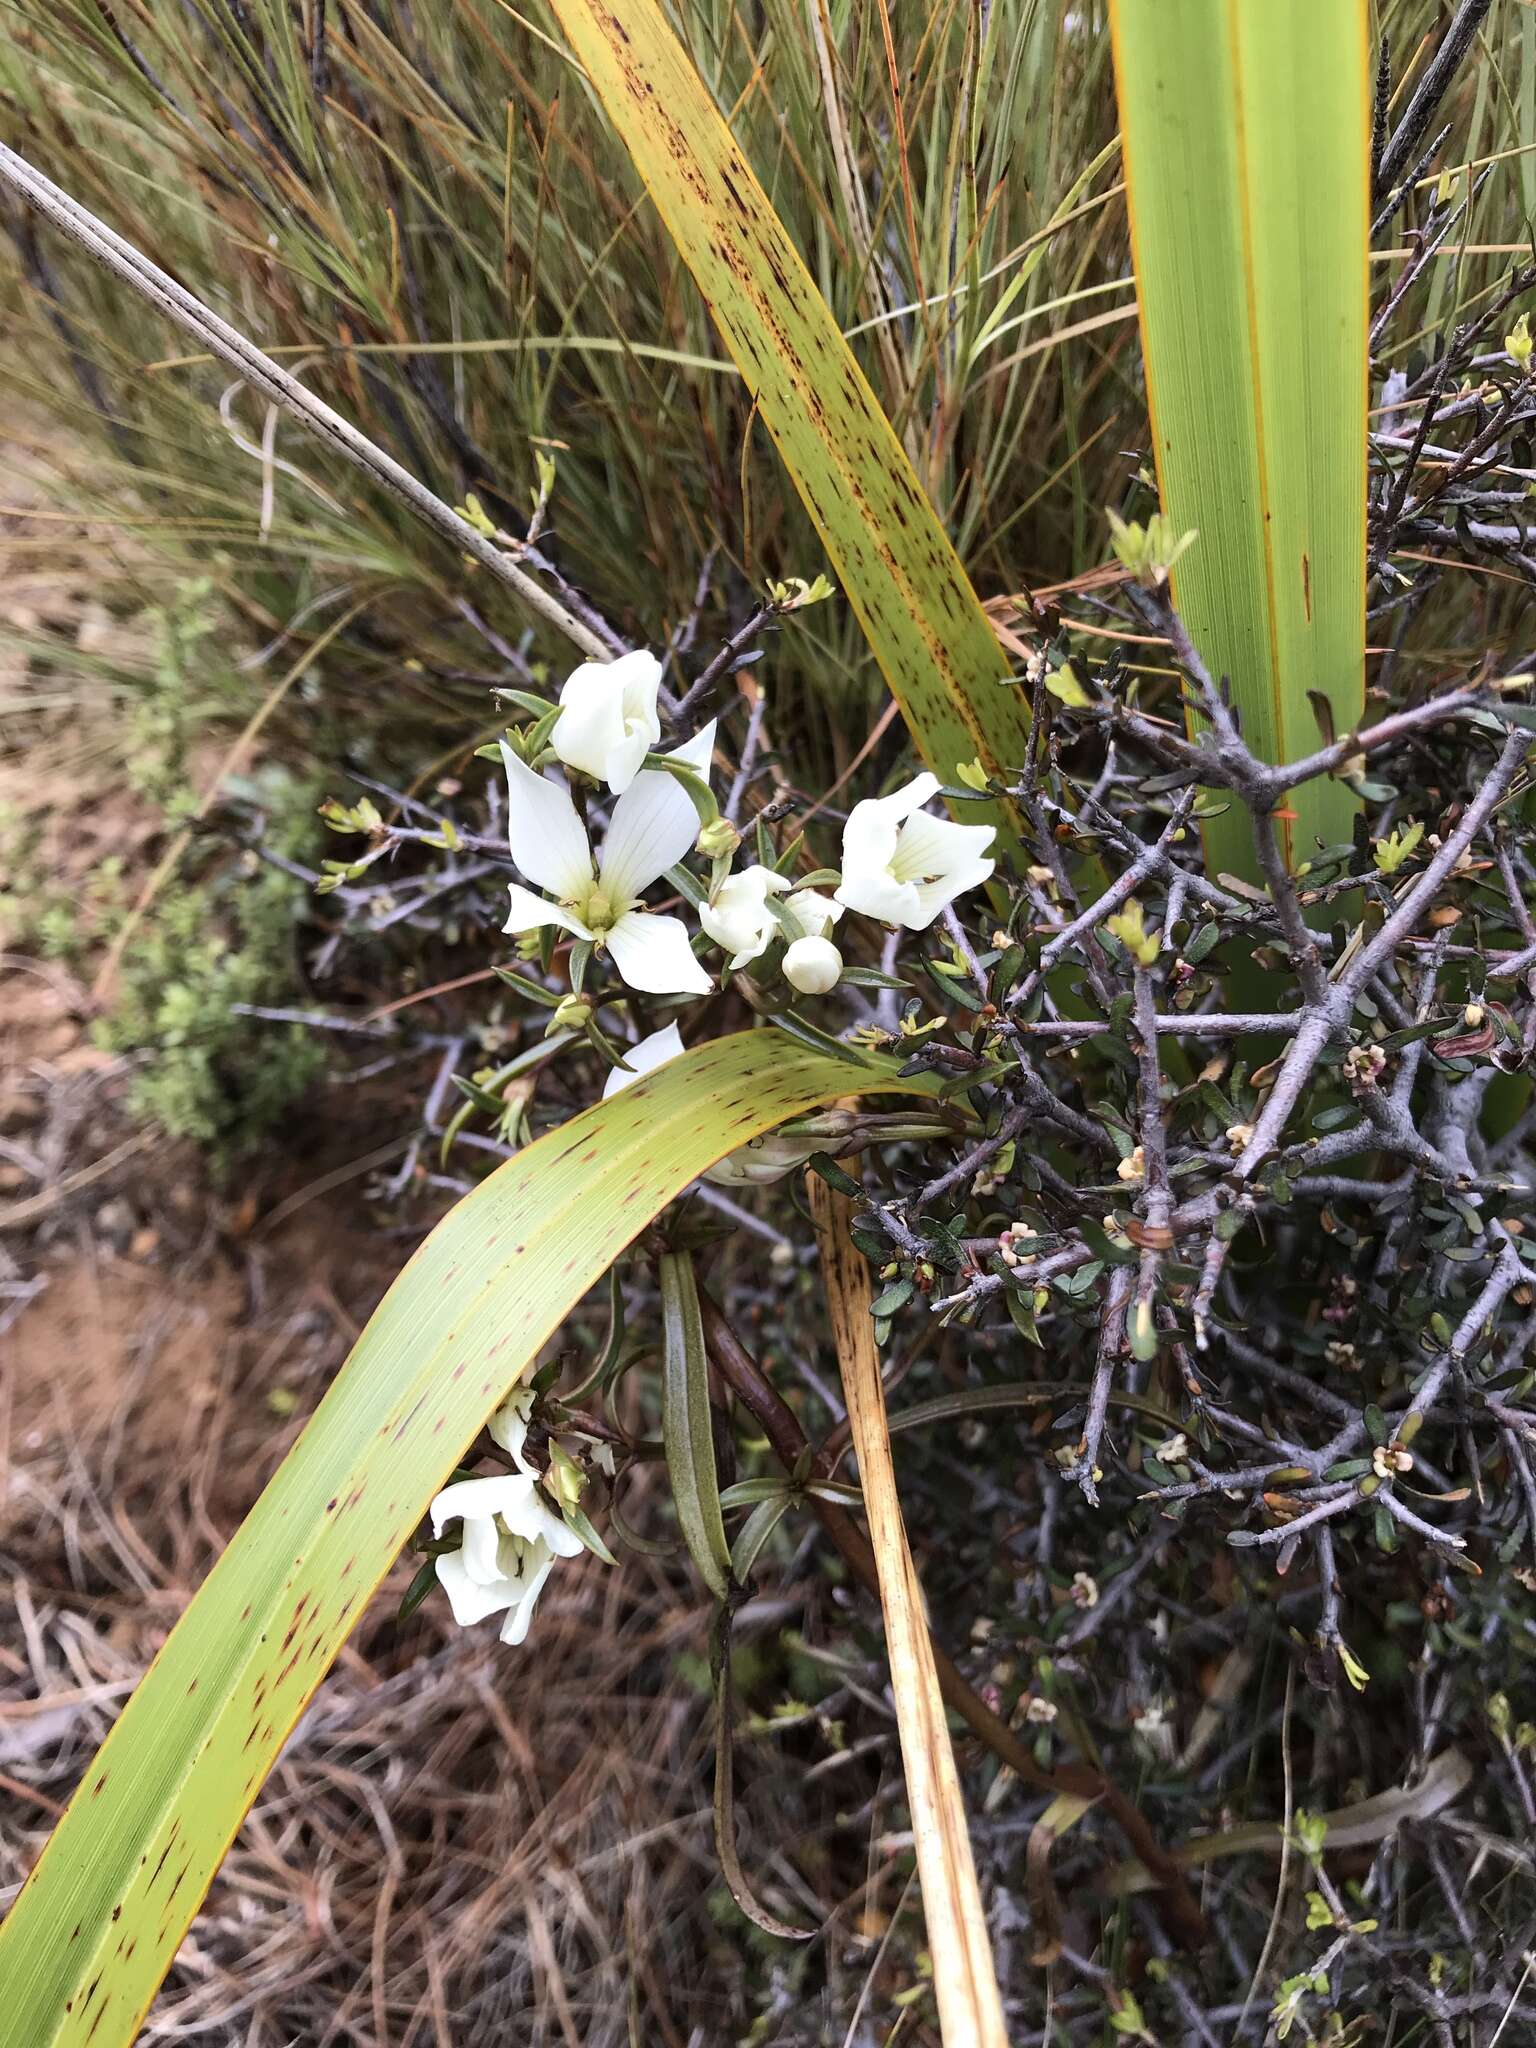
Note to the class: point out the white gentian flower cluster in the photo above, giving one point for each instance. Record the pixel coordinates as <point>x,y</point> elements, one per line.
<point>901,865</point>
<point>511,1538</point>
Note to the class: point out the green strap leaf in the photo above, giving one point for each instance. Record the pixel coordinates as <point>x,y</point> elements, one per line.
<point>1246,132</point>
<point>93,1931</point>
<point>725,1792</point>
<point>913,599</point>
<point>687,1427</point>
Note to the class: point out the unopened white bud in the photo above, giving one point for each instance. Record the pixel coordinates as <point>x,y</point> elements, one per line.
<point>813,966</point>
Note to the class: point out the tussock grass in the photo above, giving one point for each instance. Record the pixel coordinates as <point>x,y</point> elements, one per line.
<point>425,209</point>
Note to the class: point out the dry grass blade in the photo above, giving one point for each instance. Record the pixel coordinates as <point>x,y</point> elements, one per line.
<point>965,1979</point>
<point>264,375</point>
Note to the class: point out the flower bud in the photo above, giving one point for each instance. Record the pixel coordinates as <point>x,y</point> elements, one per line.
<point>719,839</point>
<point>573,1014</point>
<point>813,966</point>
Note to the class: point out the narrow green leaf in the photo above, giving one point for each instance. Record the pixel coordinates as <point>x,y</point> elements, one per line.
<point>754,1533</point>
<point>747,1493</point>
<point>1246,135</point>
<point>686,1425</point>
<point>579,1523</point>
<point>913,599</point>
<point>93,1931</point>
<point>725,1792</point>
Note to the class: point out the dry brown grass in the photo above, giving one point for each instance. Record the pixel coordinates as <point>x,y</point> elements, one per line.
<point>459,1843</point>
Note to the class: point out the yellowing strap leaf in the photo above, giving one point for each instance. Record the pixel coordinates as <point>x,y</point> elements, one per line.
<point>83,1949</point>
<point>916,605</point>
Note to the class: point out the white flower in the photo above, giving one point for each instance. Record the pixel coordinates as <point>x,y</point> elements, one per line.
<point>813,966</point>
<point>814,913</point>
<point>510,1543</point>
<point>737,916</point>
<point>652,826</point>
<point>903,866</point>
<point>655,1051</point>
<point>608,722</point>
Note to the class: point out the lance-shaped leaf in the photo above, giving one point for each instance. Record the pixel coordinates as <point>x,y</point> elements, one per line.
<point>87,1942</point>
<point>1246,137</point>
<point>686,1426</point>
<point>913,599</point>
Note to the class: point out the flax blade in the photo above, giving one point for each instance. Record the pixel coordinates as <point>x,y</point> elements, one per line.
<point>1246,136</point>
<point>93,1931</point>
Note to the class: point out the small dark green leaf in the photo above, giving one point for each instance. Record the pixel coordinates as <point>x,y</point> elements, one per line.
<point>825,1165</point>
<point>417,1591</point>
<point>1103,1246</point>
<point>748,1493</point>
<point>755,1532</point>
<point>1336,1118</point>
<point>896,1296</point>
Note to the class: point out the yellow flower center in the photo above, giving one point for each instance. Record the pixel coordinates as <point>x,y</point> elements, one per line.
<point>598,910</point>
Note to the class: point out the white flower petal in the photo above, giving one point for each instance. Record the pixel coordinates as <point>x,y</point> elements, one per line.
<point>591,720</point>
<point>548,840</point>
<point>509,1427</point>
<point>626,757</point>
<point>698,752</point>
<point>934,896</point>
<point>869,837</point>
<point>480,1548</point>
<point>527,913</point>
<point>737,916</point>
<point>762,1161</point>
<point>903,866</point>
<point>644,1058</point>
<point>928,847</point>
<point>813,912</point>
<point>470,1601</point>
<point>533,1522</point>
<point>876,893</point>
<point>564,1542</point>
<point>608,722</point>
<point>476,1500</point>
<point>813,965</point>
<point>520,1610</point>
<point>653,825</point>
<point>652,954</point>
